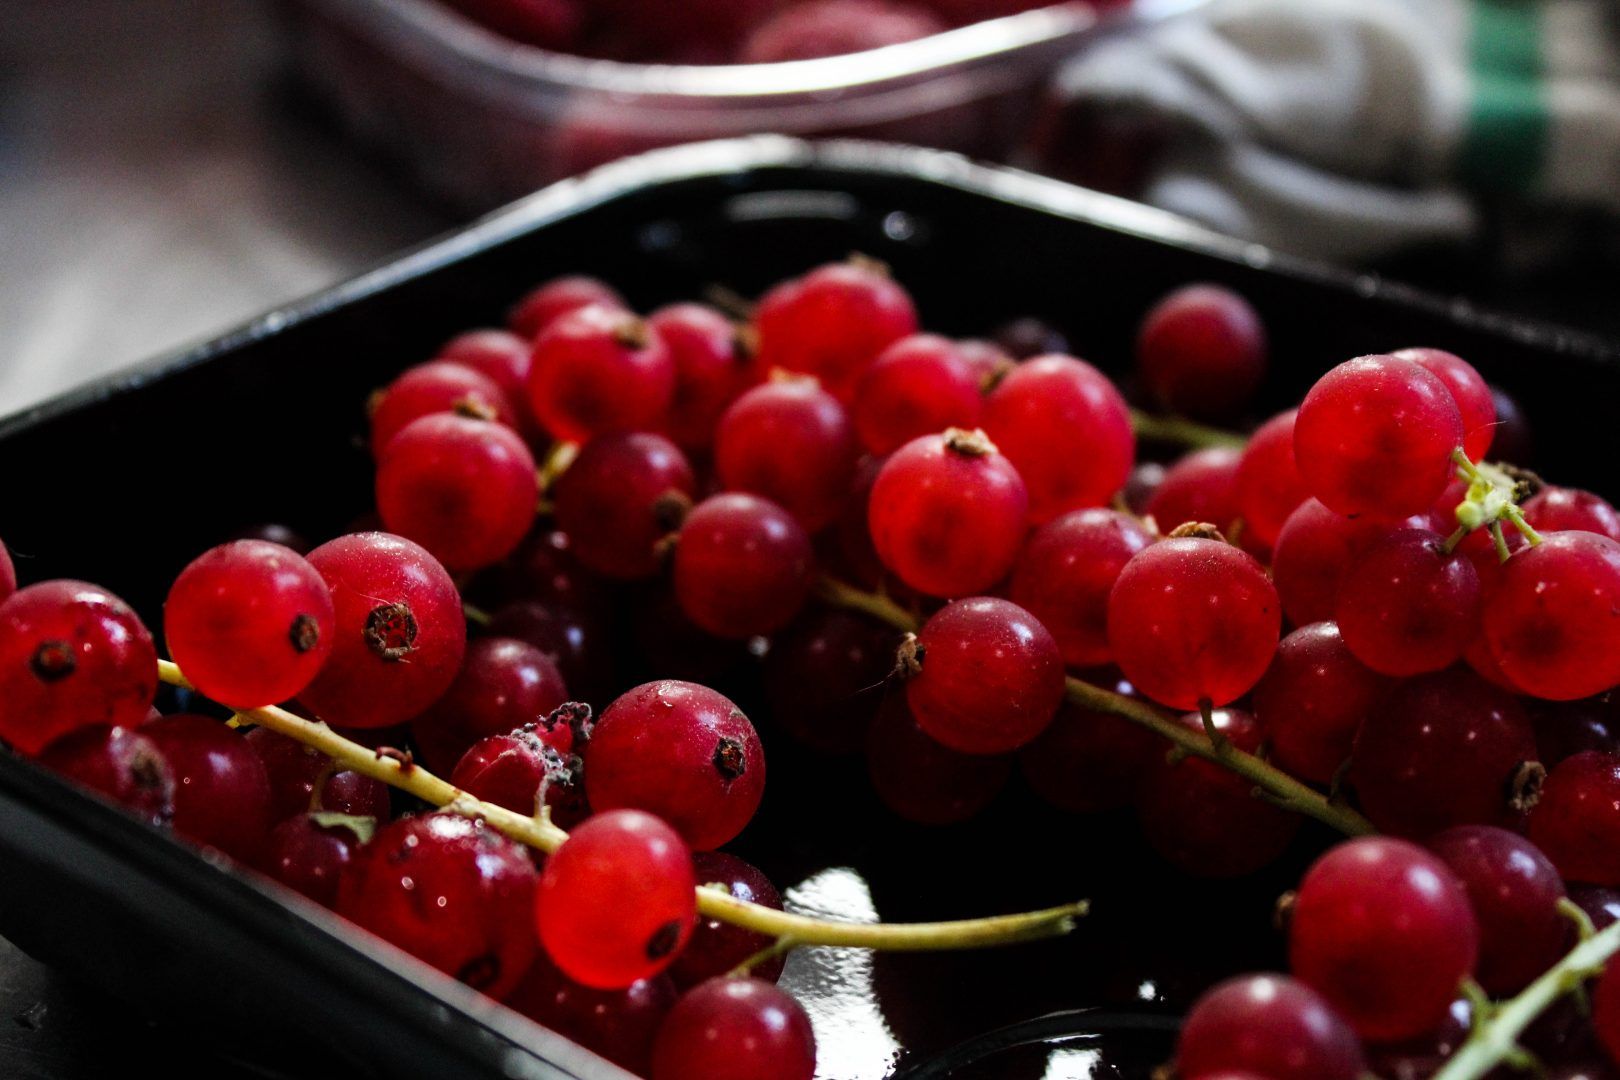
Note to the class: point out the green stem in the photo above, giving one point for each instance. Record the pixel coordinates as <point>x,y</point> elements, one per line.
<point>1495,1041</point>
<point>1173,429</point>
<point>780,947</point>
<point>1516,516</point>
<point>1279,788</point>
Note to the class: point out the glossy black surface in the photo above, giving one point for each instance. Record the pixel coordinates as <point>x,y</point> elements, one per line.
<point>124,483</point>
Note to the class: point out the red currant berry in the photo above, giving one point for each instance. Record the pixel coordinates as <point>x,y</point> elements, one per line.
<point>502,357</point>
<point>450,891</point>
<point>72,655</point>
<point>309,852</point>
<point>464,489</point>
<point>1086,762</point>
<point>743,566</point>
<point>250,623</point>
<point>983,676</point>
<point>122,765</point>
<point>1441,750</point>
<point>546,568</point>
<point>503,684</point>
<point>1066,429</point>
<point>1200,487</point>
<point>1193,620</point>
<point>578,644</point>
<point>920,385</point>
<point>620,1025</point>
<point>1270,1026</point>
<point>735,1029</point>
<point>616,902</point>
<point>1375,435</point>
<point>920,779</point>
<point>791,442</point>
<point>1513,440</point>
<point>400,632</point>
<point>221,789</point>
<point>8,574</point>
<point>294,770</point>
<point>683,752</point>
<point>1204,819</point>
<point>717,947</point>
<point>1475,403</point>
<point>1558,509</point>
<point>1202,352</point>
<point>433,388</point>
<point>1312,701</point>
<point>1314,551</point>
<point>987,360</point>
<point>1514,890</point>
<point>1028,336</point>
<point>1065,573</point>
<point>824,678</point>
<point>1577,819</point>
<point>619,500</point>
<point>1384,931</point>
<point>1565,728</point>
<point>512,770</point>
<point>836,28</point>
<point>1553,623</point>
<point>1408,606</point>
<point>714,364</point>
<point>947,514</point>
<point>544,305</point>
<point>600,370</point>
<point>833,322</point>
<point>1268,487</point>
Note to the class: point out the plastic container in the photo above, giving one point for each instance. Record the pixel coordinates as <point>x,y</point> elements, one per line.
<point>480,119</point>
<point>124,481</point>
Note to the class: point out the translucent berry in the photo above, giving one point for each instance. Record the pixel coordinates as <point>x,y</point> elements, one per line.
<point>1514,890</point>
<point>544,305</point>
<point>919,386</point>
<point>743,566</point>
<point>620,499</point>
<point>504,358</point>
<point>1577,819</point>
<point>1086,762</point>
<point>121,764</point>
<point>1383,930</point>
<point>620,1025</point>
<point>464,489</point>
<point>714,364</point>
<point>1475,404</point>
<point>451,891</point>
<point>1269,1026</point>
<point>1200,487</point>
<point>1560,509</point>
<point>717,947</point>
<point>833,322</point>
<point>1066,429</point>
<point>683,752</point>
<point>250,623</point>
<point>824,678</point>
<point>1312,701</point>
<point>791,442</point>
<point>1202,351</point>
<point>579,644</point>
<point>72,655</point>
<point>947,514</point>
<point>221,789</point>
<point>600,370</point>
<point>1203,818</point>
<point>1065,573</point>
<point>1313,553</point>
<point>512,770</point>
<point>1268,487</point>
<point>1375,435</point>
<point>983,676</point>
<point>1407,606</point>
<point>836,28</point>
<point>294,770</point>
<point>503,684</point>
<point>1553,622</point>
<point>309,852</point>
<point>737,1029</point>
<point>432,388</point>
<point>1191,620</point>
<point>922,780</point>
<point>616,902</point>
<point>400,632</point>
<point>1441,750</point>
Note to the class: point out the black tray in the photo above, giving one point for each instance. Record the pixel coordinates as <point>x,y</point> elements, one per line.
<point>123,482</point>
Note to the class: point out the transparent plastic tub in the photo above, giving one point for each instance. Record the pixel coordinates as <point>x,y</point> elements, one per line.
<point>479,119</point>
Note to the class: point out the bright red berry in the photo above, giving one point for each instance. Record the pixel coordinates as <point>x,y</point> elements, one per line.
<point>432,388</point>
<point>1268,488</point>
<point>504,358</point>
<point>743,566</point>
<point>1408,606</point>
<point>1065,573</point>
<point>1561,509</point>
<point>1201,487</point>
<point>511,770</point>
<point>791,442</point>
<point>735,1029</point>
<point>1553,622</point>
<point>833,322</point>
<point>714,364</point>
<point>1202,351</point>
<point>503,684</point>
<point>1475,403</point>
<point>600,370</point>
<point>919,386</point>
<point>1269,1026</point>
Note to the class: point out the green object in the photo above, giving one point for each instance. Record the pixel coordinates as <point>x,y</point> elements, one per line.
<point>1505,145</point>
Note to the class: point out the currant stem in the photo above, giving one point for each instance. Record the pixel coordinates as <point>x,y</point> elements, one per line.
<point>540,833</point>
<point>1280,788</point>
<point>1173,429</point>
<point>780,947</point>
<point>1495,1041</point>
<point>1516,516</point>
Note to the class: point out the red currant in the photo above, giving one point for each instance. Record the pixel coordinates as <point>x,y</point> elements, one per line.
<point>72,655</point>
<point>118,763</point>
<point>1408,606</point>
<point>824,678</point>
<point>1314,551</point>
<point>1202,351</point>
<point>683,752</point>
<point>1577,819</point>
<point>1606,1010</point>
<point>1086,762</point>
<point>1313,699</point>
<point>791,442</point>
<point>1201,487</point>
<point>8,574</point>
<point>920,385</point>
<point>1513,440</point>
<point>620,1025</point>
<point>600,370</point>
<point>1475,403</point>
<point>947,514</point>
<point>1268,1026</point>
<point>294,770</point>
<point>1565,728</point>
<point>1268,487</point>
<point>1553,623</point>
<point>503,684</point>
<point>1514,890</point>
<point>1065,573</point>
<point>1559,509</point>
<point>735,1029</point>
<point>920,779</point>
<point>545,304</point>
<point>616,902</point>
<point>221,789</point>
<point>713,366</point>
<point>308,853</point>
<point>432,388</point>
<point>619,500</point>
<point>743,566</point>
<point>717,947</point>
<point>833,322</point>
<point>504,358</point>
<point>511,770</point>
<point>577,643</point>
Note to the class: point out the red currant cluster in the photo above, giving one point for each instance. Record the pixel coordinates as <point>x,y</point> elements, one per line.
<point>727,31</point>
<point>972,518</point>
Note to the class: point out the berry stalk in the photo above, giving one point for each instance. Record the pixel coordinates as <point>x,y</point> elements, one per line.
<point>1188,433</point>
<point>1271,783</point>
<point>538,832</point>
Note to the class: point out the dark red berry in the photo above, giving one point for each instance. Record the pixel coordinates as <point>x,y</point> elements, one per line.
<point>717,947</point>
<point>1560,509</point>
<point>619,501</point>
<point>294,770</point>
<point>1577,820</point>
<point>620,1025</point>
<point>1202,351</point>
<point>599,370</point>
<point>743,566</point>
<point>920,385</point>
<point>510,770</point>
<point>579,644</point>
<point>1314,552</point>
<point>1514,890</point>
<point>1269,1026</point>
<point>1312,701</point>
<point>121,764</point>
<point>735,1028</point>
<point>714,364</point>
<point>545,304</point>
<point>818,28</point>
<point>825,678</point>
<point>503,684</point>
<point>1407,606</point>
<point>920,779</point>
<point>309,852</point>
<point>1086,762</point>
<point>1065,573</point>
<point>791,442</point>
<point>1200,487</point>
<point>221,789</point>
